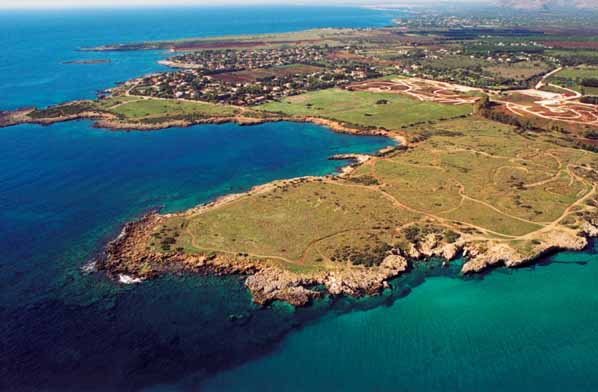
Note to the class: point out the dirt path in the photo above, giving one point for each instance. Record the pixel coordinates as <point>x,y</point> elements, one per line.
<point>542,81</point>
<point>560,106</point>
<point>399,204</point>
<point>442,92</point>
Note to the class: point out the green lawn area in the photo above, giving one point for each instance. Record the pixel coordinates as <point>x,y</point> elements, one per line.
<point>165,108</point>
<point>572,78</point>
<point>107,103</point>
<point>362,108</point>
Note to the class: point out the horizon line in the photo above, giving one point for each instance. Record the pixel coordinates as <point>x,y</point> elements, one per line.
<point>237,3</point>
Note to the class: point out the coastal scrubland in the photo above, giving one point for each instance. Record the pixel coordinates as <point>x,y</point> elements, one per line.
<point>479,176</point>
<point>132,112</point>
<point>468,184</point>
<point>359,110</point>
<point>163,108</point>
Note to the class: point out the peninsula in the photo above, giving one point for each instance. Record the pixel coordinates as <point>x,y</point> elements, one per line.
<point>496,158</point>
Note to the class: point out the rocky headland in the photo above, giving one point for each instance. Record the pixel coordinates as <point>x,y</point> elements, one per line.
<point>129,256</point>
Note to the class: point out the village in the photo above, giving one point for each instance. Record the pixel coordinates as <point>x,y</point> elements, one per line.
<point>229,60</point>
<point>250,77</point>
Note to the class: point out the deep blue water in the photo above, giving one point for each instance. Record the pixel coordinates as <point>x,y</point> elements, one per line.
<point>66,189</point>
<point>36,43</point>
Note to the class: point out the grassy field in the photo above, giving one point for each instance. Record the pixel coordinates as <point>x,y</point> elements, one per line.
<point>573,77</point>
<point>144,108</point>
<point>583,53</point>
<point>470,177</point>
<point>517,71</point>
<point>365,108</point>
<point>107,103</point>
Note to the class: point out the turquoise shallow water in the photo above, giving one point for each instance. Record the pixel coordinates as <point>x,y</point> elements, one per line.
<point>533,329</point>
<point>66,189</point>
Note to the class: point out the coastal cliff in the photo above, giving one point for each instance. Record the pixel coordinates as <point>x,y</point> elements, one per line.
<point>129,256</point>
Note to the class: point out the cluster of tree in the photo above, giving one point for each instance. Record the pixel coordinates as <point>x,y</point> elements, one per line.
<point>593,100</point>
<point>365,180</point>
<point>590,82</point>
<point>573,59</point>
<point>63,110</point>
<point>167,238</point>
<point>586,146</point>
<point>369,255</point>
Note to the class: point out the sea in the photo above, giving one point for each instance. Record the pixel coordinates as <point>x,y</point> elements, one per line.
<point>67,189</point>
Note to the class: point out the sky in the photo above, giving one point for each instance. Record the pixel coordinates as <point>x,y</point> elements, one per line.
<point>150,3</point>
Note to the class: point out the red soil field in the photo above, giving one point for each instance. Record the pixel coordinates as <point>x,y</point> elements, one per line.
<point>559,107</point>
<point>422,89</point>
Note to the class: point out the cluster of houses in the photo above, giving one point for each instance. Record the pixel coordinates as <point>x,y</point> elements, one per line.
<point>257,78</point>
<point>217,61</point>
<point>449,21</point>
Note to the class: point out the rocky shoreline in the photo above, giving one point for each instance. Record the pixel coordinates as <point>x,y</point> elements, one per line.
<point>110,121</point>
<point>128,256</point>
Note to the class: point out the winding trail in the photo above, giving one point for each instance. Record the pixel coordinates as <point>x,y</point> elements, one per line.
<point>449,223</point>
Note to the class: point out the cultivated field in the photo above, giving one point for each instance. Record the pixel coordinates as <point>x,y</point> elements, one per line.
<point>573,78</point>
<point>518,71</point>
